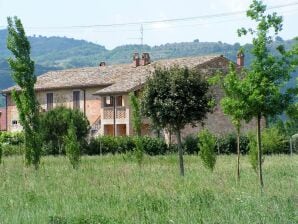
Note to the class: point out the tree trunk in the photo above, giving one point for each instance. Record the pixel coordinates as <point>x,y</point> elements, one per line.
<point>260,151</point>
<point>238,154</point>
<point>180,153</point>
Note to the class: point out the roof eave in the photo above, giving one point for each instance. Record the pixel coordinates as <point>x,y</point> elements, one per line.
<point>7,91</point>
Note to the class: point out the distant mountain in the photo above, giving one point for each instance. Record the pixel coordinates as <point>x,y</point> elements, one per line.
<point>53,53</point>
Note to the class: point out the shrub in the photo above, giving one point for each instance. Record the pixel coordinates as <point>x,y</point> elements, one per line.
<point>110,144</point>
<point>154,146</point>
<point>228,144</point>
<point>207,145</point>
<point>12,138</point>
<point>72,147</point>
<point>12,143</point>
<point>10,150</point>
<point>273,140</point>
<point>55,125</point>
<point>190,144</point>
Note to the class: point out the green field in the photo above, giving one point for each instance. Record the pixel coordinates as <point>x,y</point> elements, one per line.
<point>113,189</point>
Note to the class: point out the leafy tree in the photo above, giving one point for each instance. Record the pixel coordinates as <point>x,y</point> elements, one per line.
<point>234,104</point>
<point>174,97</point>
<point>267,72</point>
<point>73,149</point>
<point>207,145</point>
<point>57,123</point>
<point>136,113</point>
<point>23,74</point>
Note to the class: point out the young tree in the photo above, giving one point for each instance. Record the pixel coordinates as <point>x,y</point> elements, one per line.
<point>73,149</point>
<point>23,74</point>
<point>234,104</point>
<point>137,126</point>
<point>175,97</point>
<point>207,144</point>
<point>267,72</point>
<point>136,113</point>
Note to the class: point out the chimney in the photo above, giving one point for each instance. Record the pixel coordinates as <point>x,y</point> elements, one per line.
<point>136,60</point>
<point>145,59</point>
<point>240,58</point>
<point>102,64</point>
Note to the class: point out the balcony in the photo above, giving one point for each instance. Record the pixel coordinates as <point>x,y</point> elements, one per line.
<point>108,113</point>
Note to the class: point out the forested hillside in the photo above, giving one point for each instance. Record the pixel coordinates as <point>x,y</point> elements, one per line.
<point>52,53</point>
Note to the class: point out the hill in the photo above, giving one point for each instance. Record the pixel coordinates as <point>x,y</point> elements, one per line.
<point>53,53</point>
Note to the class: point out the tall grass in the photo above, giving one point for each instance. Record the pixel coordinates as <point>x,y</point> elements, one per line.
<point>112,189</point>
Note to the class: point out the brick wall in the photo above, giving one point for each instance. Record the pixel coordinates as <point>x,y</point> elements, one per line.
<point>91,106</point>
<point>3,119</point>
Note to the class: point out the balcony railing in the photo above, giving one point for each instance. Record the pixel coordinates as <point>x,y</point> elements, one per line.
<point>108,113</point>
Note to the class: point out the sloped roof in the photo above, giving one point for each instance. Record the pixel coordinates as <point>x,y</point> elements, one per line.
<point>115,78</point>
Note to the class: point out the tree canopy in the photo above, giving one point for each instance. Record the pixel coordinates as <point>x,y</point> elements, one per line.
<point>267,72</point>
<point>174,97</point>
<point>23,74</point>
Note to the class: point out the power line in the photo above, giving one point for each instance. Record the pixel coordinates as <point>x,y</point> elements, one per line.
<point>218,15</point>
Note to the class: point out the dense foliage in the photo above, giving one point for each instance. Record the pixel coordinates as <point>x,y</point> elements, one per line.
<point>267,72</point>
<point>174,97</point>
<point>57,123</point>
<point>72,148</point>
<point>25,99</point>
<point>207,146</point>
<point>113,145</point>
<point>228,144</point>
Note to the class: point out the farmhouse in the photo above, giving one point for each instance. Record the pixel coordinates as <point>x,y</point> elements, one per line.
<point>101,93</point>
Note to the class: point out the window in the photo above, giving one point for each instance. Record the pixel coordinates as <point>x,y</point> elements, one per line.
<point>119,102</point>
<point>14,122</point>
<point>50,98</point>
<point>76,100</point>
<point>108,101</point>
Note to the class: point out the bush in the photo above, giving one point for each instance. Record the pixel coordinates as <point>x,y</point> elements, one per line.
<point>10,150</point>
<point>273,141</point>
<point>207,145</point>
<point>12,138</point>
<point>55,124</point>
<point>110,144</point>
<point>190,144</point>
<point>228,144</point>
<point>154,146</point>
<point>12,143</point>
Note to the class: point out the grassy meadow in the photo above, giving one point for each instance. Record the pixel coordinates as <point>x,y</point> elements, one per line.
<point>113,189</point>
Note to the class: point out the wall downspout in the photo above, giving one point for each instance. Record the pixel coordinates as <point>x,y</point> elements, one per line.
<point>84,92</point>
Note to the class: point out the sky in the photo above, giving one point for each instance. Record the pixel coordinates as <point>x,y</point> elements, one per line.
<point>64,18</point>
